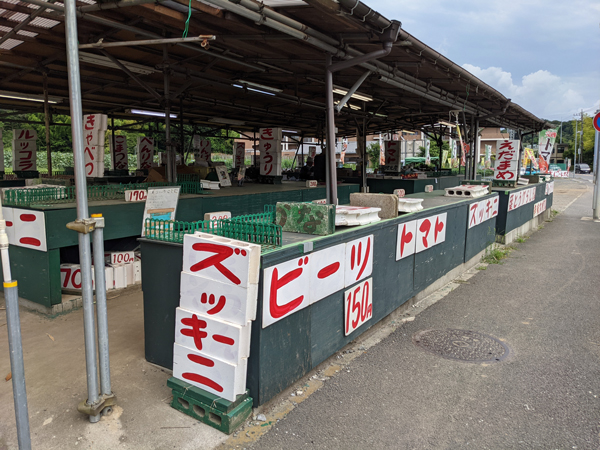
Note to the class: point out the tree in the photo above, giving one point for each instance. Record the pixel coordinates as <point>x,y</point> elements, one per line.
<point>434,150</point>
<point>374,152</point>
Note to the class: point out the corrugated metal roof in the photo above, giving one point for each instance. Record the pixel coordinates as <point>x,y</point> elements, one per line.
<point>10,43</point>
<point>43,22</point>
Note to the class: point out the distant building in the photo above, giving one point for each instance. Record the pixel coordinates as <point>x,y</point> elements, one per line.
<point>558,153</point>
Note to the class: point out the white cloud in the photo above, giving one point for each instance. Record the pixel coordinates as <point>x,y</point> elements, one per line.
<point>544,94</point>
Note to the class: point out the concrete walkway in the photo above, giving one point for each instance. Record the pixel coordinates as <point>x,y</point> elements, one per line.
<point>543,302</point>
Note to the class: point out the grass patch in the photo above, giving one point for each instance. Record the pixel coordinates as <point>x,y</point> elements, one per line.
<point>482,268</point>
<point>521,239</point>
<point>496,255</point>
<point>554,212</point>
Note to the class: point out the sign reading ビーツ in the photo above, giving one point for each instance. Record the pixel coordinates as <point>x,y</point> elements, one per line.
<point>520,198</point>
<point>507,160</point>
<point>292,285</point>
<point>358,306</point>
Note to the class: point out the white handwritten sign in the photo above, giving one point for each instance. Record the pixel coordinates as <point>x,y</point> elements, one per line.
<point>161,204</point>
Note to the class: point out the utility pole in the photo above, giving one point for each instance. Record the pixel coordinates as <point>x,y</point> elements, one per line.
<point>575,149</point>
<point>581,139</point>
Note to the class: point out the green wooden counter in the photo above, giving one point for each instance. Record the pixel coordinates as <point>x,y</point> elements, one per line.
<point>38,273</point>
<point>388,185</point>
<point>286,350</point>
<point>515,218</point>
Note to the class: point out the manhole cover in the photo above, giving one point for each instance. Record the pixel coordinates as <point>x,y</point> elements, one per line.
<point>462,345</point>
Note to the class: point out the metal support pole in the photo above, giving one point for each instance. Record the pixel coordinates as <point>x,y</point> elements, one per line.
<point>364,156</point>
<point>170,159</point>
<point>596,167</point>
<point>11,295</point>
<point>103,355</point>
<point>82,223</point>
<point>181,137</point>
<point>47,124</point>
<point>331,178</point>
<point>575,149</point>
<point>114,144</point>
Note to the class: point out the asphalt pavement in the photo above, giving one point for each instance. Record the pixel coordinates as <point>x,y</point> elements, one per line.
<point>543,303</point>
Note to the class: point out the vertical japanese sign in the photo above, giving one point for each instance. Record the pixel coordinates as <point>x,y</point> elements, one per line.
<point>145,152</point>
<point>219,290</point>
<point>118,152</point>
<point>24,150</point>
<point>392,155</point>
<point>1,152</point>
<point>269,145</point>
<point>488,156</point>
<point>94,129</point>
<point>239,152</point>
<point>507,160</point>
<point>546,144</point>
<point>202,149</point>
<point>454,160</point>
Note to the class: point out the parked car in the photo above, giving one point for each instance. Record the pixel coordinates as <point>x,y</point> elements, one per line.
<point>582,168</point>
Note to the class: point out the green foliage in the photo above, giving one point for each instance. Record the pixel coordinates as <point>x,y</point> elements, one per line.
<point>373,153</point>
<point>434,149</point>
<point>61,140</point>
<point>496,254</point>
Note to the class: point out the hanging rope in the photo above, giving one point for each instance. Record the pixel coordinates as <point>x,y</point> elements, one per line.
<point>187,22</point>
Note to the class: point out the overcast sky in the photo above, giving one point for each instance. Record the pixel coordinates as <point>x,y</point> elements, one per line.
<point>542,54</point>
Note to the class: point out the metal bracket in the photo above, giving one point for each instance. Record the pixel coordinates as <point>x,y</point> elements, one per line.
<point>83,226</point>
<point>103,406</point>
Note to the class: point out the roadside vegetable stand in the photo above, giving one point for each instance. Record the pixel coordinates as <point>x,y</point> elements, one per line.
<point>388,262</point>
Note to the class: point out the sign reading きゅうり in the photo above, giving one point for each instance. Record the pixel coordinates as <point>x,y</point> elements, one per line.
<point>419,235</point>
<point>292,285</point>
<point>482,211</point>
<point>520,198</point>
<point>161,204</point>
<point>358,305</point>
<point>219,289</point>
